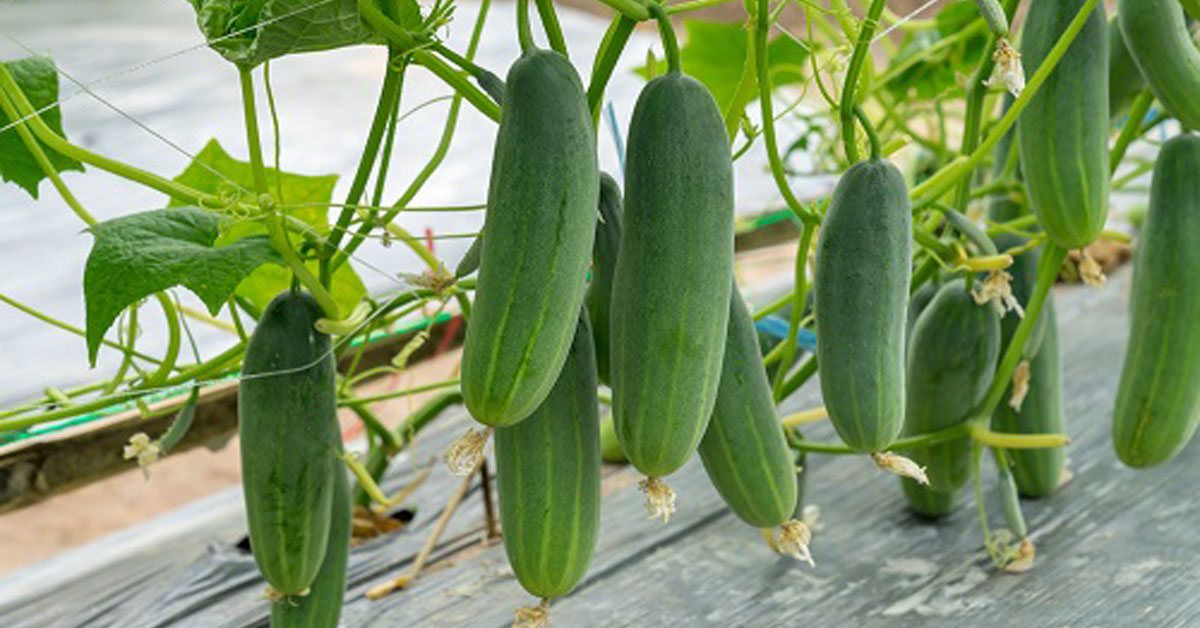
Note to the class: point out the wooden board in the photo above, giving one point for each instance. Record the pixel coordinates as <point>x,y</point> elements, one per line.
<point>1115,548</point>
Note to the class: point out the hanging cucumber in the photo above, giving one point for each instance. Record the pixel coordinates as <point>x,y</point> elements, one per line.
<point>928,502</point>
<point>322,607</point>
<point>1158,400</point>
<point>743,449</point>
<point>1063,131</point>
<point>537,244</point>
<point>1037,471</point>
<point>1157,35</point>
<point>862,280</point>
<point>548,472</point>
<point>1125,81</point>
<point>917,304</point>
<point>604,262</point>
<point>674,271</point>
<point>287,423</point>
<point>955,346</point>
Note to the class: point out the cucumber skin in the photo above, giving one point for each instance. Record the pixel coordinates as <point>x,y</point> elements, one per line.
<point>927,502</point>
<point>538,241</point>
<point>1125,80</point>
<point>674,271</point>
<point>1158,400</point>
<point>1157,36</point>
<point>917,304</point>
<point>288,429</point>
<point>322,607</point>
<point>548,476</point>
<point>1037,471</point>
<point>1063,131</point>
<point>604,263</point>
<point>743,449</point>
<point>862,285</point>
<point>956,344</point>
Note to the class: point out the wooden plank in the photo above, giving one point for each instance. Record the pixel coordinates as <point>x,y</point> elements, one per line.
<point>1115,548</point>
<point>37,468</point>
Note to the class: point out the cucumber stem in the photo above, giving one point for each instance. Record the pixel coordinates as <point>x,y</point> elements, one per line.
<point>667,33</point>
<point>857,59</point>
<point>550,24</point>
<point>524,30</point>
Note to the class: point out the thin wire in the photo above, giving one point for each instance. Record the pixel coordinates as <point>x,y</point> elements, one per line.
<point>905,19</point>
<point>141,66</point>
<point>162,138</point>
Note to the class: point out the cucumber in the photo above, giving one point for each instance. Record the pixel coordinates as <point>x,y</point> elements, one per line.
<point>743,449</point>
<point>674,270</point>
<point>537,241</point>
<point>1158,400</point>
<point>1157,35</point>
<point>610,447</point>
<point>1037,471</point>
<point>1125,80</point>
<point>322,607</point>
<point>917,304</point>
<point>604,263</point>
<point>927,502</point>
<point>955,346</point>
<point>548,474</point>
<point>470,260</point>
<point>287,423</point>
<point>862,279</point>
<point>1063,131</point>
<point>1024,278</point>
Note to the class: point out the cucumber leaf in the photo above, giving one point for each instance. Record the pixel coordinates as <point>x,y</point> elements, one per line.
<point>303,197</point>
<point>38,78</point>
<point>140,254</point>
<point>248,32</point>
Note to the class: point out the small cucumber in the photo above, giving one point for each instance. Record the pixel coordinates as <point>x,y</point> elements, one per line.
<point>287,423</point>
<point>927,502</point>
<point>322,607</point>
<point>1157,35</point>
<point>670,303</point>
<point>537,241</point>
<point>604,264</point>
<point>1063,131</point>
<point>1037,471</point>
<point>862,280</point>
<point>955,346</point>
<point>548,473</point>
<point>743,449</point>
<point>1158,400</point>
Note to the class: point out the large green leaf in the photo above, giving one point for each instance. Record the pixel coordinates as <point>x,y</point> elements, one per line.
<point>138,255</point>
<point>38,78</point>
<point>715,54</point>
<point>248,32</point>
<point>305,198</point>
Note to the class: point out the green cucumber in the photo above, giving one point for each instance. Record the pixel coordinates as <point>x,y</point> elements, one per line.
<point>1063,131</point>
<point>955,346</point>
<point>1037,471</point>
<point>674,270</point>
<point>917,304</point>
<point>1157,35</point>
<point>862,279</point>
<point>548,474</point>
<point>743,449</point>
<point>287,423</point>
<point>610,447</point>
<point>322,607</point>
<point>1125,80</point>
<point>470,260</point>
<point>1158,400</point>
<point>604,263</point>
<point>537,244</point>
<point>927,502</point>
<point>1024,278</point>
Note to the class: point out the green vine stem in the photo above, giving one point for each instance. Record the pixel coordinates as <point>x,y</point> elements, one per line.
<point>607,56</point>
<point>550,24</point>
<point>762,28</point>
<point>174,340</point>
<point>666,32</point>
<point>45,318</point>
<point>632,9</point>
<point>932,188</point>
<point>389,96</point>
<point>396,394</point>
<point>979,436</point>
<point>799,295</point>
<point>405,41</point>
<point>30,118</point>
<point>275,230</point>
<point>1131,130</point>
<point>861,49</point>
<point>872,136</point>
<point>524,28</point>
